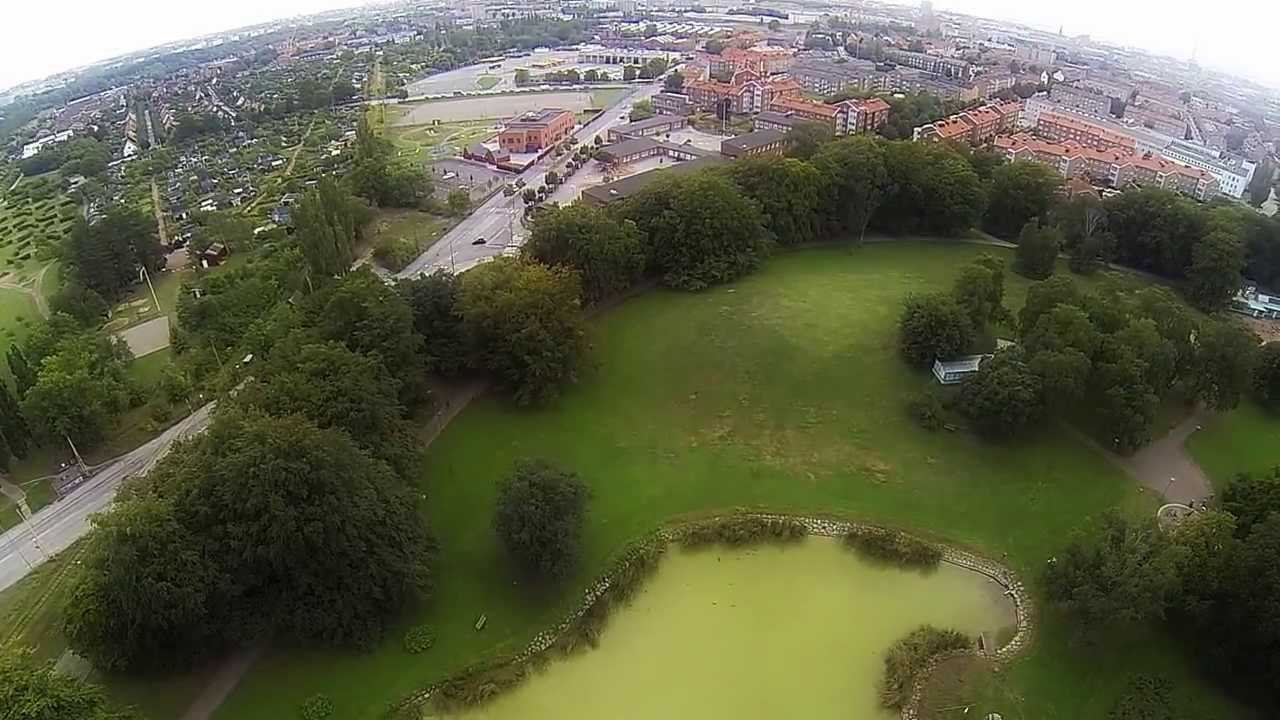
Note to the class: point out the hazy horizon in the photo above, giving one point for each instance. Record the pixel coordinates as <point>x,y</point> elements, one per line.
<point>99,32</point>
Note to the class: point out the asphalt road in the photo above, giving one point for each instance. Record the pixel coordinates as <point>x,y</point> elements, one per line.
<point>61,523</point>
<point>498,221</point>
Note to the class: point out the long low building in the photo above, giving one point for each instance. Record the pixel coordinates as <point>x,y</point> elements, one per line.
<point>976,126</point>
<point>626,187</point>
<point>657,125</point>
<point>630,150</point>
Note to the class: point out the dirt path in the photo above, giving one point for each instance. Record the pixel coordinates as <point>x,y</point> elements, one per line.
<point>221,684</point>
<point>155,207</point>
<point>1165,467</point>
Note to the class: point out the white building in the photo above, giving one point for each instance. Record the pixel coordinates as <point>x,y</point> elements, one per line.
<point>1233,174</point>
<point>32,149</point>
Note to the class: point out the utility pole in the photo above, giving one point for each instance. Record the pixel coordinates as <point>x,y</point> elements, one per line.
<point>74,451</point>
<point>25,511</point>
<point>142,273</point>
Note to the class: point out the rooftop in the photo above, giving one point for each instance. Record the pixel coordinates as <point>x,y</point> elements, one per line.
<point>749,141</point>
<point>628,186</point>
<point>536,118</point>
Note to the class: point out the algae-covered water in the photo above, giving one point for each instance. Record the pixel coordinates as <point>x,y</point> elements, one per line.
<point>797,631</point>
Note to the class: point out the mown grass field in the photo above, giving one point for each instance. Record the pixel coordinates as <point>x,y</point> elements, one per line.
<point>1246,439</point>
<point>781,391</point>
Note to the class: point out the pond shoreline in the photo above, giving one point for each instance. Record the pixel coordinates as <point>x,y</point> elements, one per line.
<point>643,551</point>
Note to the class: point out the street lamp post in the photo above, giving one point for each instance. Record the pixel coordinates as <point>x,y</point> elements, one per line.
<point>1168,485</point>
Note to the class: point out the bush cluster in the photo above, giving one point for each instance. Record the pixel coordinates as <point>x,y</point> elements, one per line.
<point>739,531</point>
<point>316,707</point>
<point>419,639</point>
<point>894,547</point>
<point>910,656</point>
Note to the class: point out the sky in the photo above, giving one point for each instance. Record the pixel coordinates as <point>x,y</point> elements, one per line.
<point>1234,35</point>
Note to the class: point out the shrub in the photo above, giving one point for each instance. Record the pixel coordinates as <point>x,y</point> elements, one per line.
<point>419,639</point>
<point>894,547</point>
<point>539,518</point>
<point>1147,698</point>
<point>395,253</point>
<point>910,656</point>
<point>316,707</point>
<point>746,530</point>
<point>925,409</point>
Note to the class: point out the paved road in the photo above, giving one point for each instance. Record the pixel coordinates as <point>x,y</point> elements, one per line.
<point>1165,466</point>
<point>498,220</point>
<point>61,523</point>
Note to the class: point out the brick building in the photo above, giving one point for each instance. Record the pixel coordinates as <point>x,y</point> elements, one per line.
<point>1062,127</point>
<point>536,131</point>
<point>747,92</point>
<point>976,126</point>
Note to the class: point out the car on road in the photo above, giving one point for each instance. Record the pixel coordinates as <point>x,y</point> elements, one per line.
<point>478,241</point>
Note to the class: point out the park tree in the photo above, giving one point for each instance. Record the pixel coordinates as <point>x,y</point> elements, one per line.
<point>1214,275</point>
<point>80,302</point>
<point>630,72</point>
<point>932,327</point>
<point>106,256</point>
<point>608,255</point>
<point>13,424</point>
<point>1085,236</point>
<point>1118,572</point>
<point>369,317</point>
<point>458,201</point>
<point>790,195</point>
<point>262,526</point>
<point>1004,398</point>
<point>674,82</point>
<point>1020,192</point>
<point>1154,229</point>
<point>805,137</point>
<point>79,389</point>
<point>1266,377</point>
<point>433,299</point>
<point>327,222</point>
<point>1037,250</point>
<point>1123,401</point>
<point>933,191</point>
<point>979,290</point>
<point>30,690</point>
<point>22,371</point>
<point>523,323</point>
<point>854,169</point>
<point>1252,497</point>
<point>1147,697</point>
<point>334,387</point>
<point>1043,297</point>
<point>539,519</point>
<point>642,110</point>
<point>700,229</point>
<point>1222,364</point>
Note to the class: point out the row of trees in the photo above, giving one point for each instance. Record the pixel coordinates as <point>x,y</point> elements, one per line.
<point>379,178</point>
<point>1212,578</point>
<point>85,156</point>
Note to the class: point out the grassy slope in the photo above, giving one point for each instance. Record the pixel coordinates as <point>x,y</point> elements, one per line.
<point>18,315</point>
<point>1246,439</point>
<point>783,391</point>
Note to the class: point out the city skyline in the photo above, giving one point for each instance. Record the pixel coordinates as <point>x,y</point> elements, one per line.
<point>101,32</point>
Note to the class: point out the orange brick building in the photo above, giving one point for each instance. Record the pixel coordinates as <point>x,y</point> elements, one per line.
<point>536,131</point>
<point>976,126</point>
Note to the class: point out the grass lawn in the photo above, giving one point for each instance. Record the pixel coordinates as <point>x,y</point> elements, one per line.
<point>18,316</point>
<point>1246,439</point>
<point>781,391</point>
<point>423,143</point>
<point>139,306</point>
<point>487,82</point>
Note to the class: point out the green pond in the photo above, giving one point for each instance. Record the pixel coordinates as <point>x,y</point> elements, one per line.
<point>768,632</point>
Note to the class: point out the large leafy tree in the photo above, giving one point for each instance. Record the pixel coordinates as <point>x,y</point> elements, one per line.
<point>1222,366</point>
<point>1004,398</point>
<point>701,230</point>
<point>13,424</point>
<point>856,174</point>
<point>1154,229</point>
<point>79,389</point>
<point>523,323</point>
<point>539,518</point>
<point>20,369</point>
<point>1214,274</point>
<point>1043,297</point>
<point>979,289</point>
<point>33,691</point>
<point>433,300</point>
<point>1037,250</point>
<point>932,189</point>
<point>789,192</point>
<point>261,526</point>
<point>1020,192</point>
<point>608,255</point>
<point>1119,572</point>
<point>933,327</point>
<point>327,222</point>
<point>378,178</point>
<point>1266,376</point>
<point>107,255</point>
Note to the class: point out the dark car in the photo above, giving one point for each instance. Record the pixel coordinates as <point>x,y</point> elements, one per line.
<point>478,241</point>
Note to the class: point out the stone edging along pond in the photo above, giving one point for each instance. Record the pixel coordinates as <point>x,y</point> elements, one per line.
<point>813,525</point>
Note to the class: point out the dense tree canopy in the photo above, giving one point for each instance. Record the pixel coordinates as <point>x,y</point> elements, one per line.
<point>1020,191</point>
<point>327,222</point>
<point>262,525</point>
<point>608,255</point>
<point>539,518</point>
<point>80,387</point>
<point>1004,398</point>
<point>855,171</point>
<point>522,323</point>
<point>433,299</point>
<point>701,230</point>
<point>1037,250</point>
<point>933,191</point>
<point>933,327</point>
<point>1266,376</point>
<point>789,193</point>
<point>106,255</point>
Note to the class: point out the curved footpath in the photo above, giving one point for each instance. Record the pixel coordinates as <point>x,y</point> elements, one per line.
<point>819,526</point>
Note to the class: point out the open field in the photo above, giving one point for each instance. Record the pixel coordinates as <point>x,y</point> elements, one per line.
<point>782,391</point>
<point>1246,439</point>
<point>493,106</point>
<point>139,307</point>
<point>424,143</point>
<point>18,315</point>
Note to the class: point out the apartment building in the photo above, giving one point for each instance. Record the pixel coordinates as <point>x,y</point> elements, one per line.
<point>763,61</point>
<point>745,93</point>
<point>1080,99</point>
<point>949,68</point>
<point>977,126</point>
<point>843,118</point>
<point>1062,127</point>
